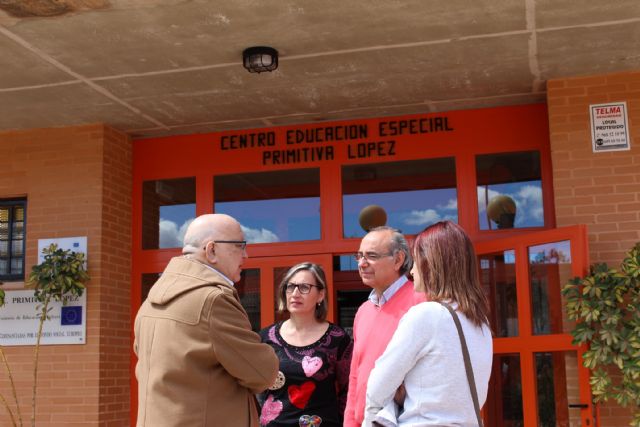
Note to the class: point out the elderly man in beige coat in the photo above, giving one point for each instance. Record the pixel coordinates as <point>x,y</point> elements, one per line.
<point>199,362</point>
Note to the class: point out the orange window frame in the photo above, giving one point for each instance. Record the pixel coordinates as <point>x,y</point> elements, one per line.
<point>526,344</point>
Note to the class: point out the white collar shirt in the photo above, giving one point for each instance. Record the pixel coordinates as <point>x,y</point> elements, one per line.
<point>388,293</point>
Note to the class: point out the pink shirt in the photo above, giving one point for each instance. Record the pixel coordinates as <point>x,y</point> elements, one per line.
<point>373,328</point>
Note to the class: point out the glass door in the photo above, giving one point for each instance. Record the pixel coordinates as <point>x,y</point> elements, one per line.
<point>538,378</point>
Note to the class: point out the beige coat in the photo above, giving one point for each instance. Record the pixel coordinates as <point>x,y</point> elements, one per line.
<point>199,362</point>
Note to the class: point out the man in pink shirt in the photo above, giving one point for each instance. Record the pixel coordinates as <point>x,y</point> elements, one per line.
<point>384,260</point>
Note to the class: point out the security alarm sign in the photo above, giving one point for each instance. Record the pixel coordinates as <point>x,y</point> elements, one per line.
<point>609,127</point>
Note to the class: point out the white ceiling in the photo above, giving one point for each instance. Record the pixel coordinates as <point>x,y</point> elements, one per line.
<point>162,67</point>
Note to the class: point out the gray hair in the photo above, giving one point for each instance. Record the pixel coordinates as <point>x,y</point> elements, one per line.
<point>195,237</point>
<point>398,244</point>
<point>194,243</point>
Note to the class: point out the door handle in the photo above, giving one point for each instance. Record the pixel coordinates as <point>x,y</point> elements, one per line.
<point>578,405</point>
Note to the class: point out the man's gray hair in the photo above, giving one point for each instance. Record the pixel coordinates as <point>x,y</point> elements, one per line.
<point>398,244</point>
<point>193,239</point>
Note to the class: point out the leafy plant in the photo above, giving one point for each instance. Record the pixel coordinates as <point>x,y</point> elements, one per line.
<point>606,306</point>
<point>62,274</point>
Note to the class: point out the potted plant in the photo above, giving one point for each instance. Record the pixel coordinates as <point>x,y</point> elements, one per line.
<point>606,307</point>
<point>61,274</point>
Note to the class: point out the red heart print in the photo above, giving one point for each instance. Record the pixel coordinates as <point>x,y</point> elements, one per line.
<point>299,395</point>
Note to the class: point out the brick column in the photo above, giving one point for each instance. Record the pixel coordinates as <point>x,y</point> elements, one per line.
<point>601,190</point>
<point>77,182</point>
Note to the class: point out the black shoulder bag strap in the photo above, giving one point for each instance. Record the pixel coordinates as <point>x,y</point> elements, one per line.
<point>467,362</point>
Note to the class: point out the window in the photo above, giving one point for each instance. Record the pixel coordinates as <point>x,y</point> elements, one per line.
<point>168,207</point>
<point>249,292</point>
<point>498,276</point>
<point>282,206</point>
<point>509,190</point>
<point>413,194</point>
<point>12,239</point>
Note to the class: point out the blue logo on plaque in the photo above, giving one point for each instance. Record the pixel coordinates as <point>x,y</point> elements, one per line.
<point>71,315</point>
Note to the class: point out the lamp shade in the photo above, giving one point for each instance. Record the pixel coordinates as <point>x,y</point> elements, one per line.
<point>260,58</point>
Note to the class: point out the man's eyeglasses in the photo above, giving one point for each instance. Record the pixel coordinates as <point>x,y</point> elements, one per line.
<point>240,244</point>
<point>304,288</point>
<point>370,256</point>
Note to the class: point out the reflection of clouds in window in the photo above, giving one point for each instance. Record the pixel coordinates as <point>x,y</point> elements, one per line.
<point>424,217</point>
<point>253,235</point>
<point>452,205</point>
<point>485,196</point>
<point>529,201</point>
<point>171,236</point>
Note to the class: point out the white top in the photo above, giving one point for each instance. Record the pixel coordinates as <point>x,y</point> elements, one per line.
<point>425,354</point>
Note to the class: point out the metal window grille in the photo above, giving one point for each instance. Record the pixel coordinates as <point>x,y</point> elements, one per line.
<point>12,239</point>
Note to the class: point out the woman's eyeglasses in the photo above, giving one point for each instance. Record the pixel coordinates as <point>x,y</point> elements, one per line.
<point>303,288</point>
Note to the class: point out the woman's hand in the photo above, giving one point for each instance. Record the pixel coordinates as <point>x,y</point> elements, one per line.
<point>399,397</point>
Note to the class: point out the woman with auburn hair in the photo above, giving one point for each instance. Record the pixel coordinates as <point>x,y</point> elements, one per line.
<point>425,356</point>
<point>315,355</point>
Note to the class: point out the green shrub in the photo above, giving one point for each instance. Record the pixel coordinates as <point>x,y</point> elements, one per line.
<point>606,307</point>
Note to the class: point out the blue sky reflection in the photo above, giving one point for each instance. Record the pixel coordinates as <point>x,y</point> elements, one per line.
<point>409,211</point>
<point>527,196</point>
<point>276,220</point>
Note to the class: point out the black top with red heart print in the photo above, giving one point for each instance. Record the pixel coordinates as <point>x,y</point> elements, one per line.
<point>316,378</point>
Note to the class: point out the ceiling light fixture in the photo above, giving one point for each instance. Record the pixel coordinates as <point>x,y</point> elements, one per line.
<point>260,58</point>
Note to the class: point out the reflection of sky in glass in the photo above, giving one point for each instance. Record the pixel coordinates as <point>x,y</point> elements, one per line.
<point>174,220</point>
<point>409,211</point>
<point>276,220</point>
<point>509,258</point>
<point>528,198</point>
<point>348,263</point>
<point>551,253</point>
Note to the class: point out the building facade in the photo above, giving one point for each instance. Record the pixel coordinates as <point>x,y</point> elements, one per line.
<point>539,202</point>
